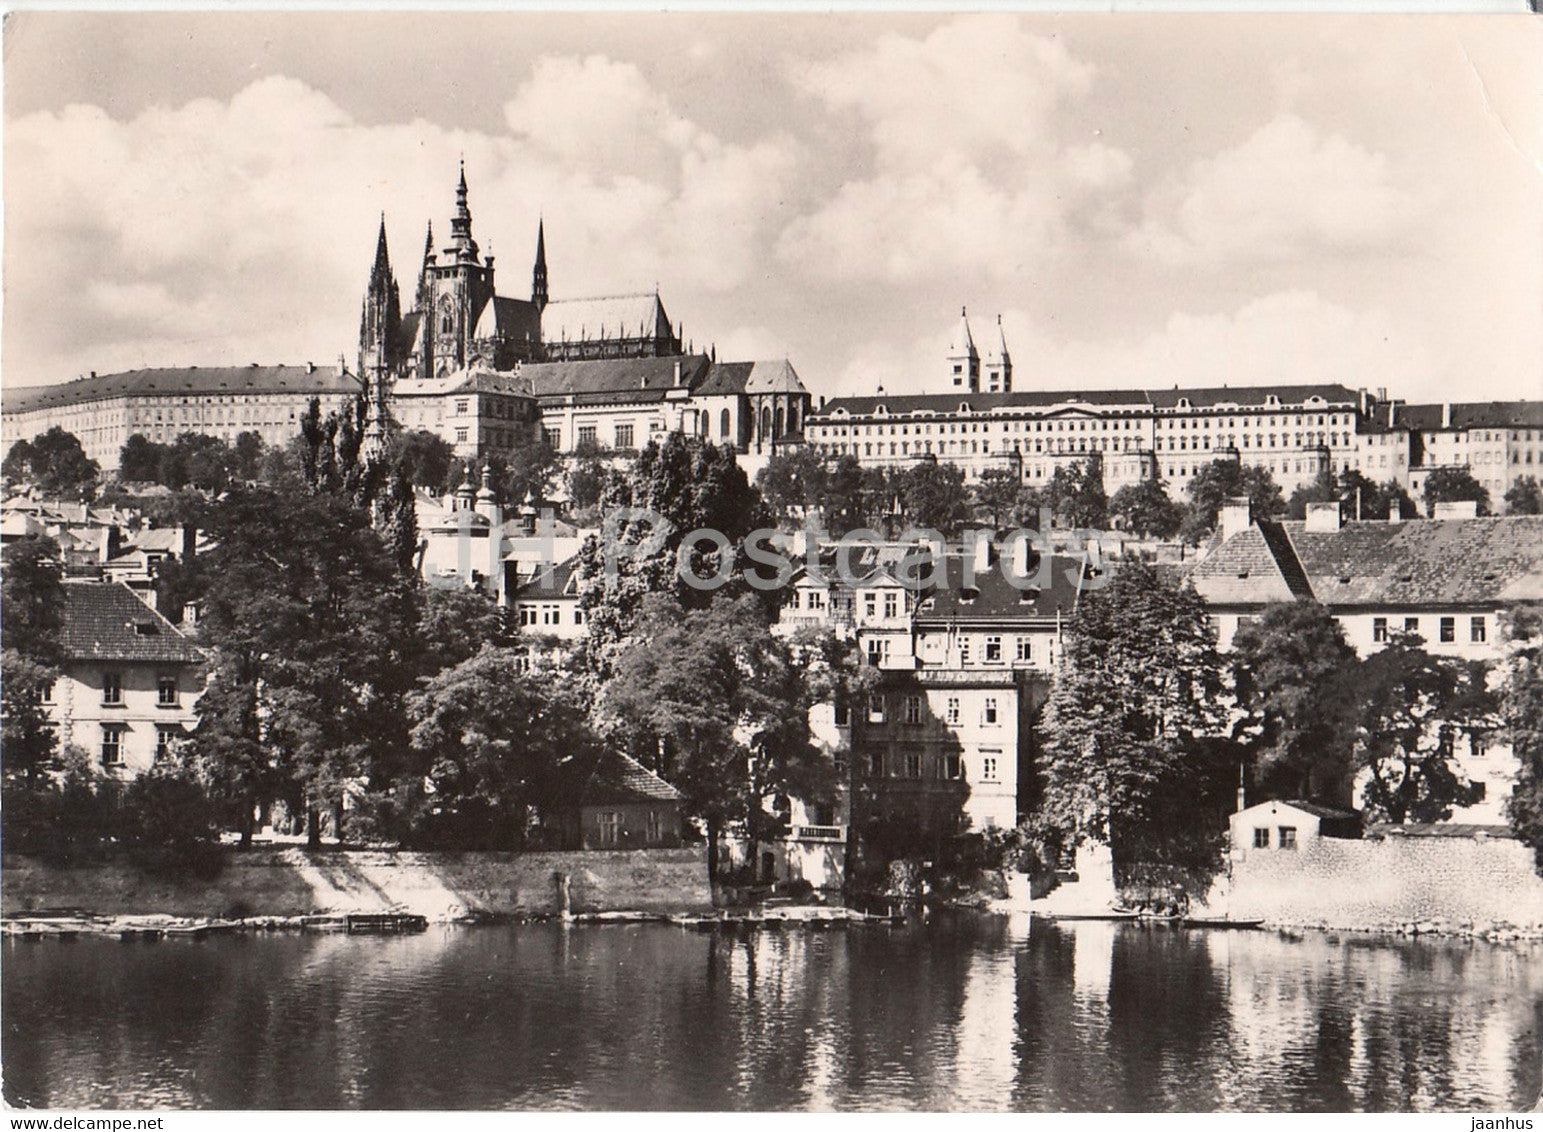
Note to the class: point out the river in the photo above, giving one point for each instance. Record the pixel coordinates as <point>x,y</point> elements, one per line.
<point>958,1011</point>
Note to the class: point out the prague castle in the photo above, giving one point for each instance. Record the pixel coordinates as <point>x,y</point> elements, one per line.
<point>487,372</point>
<point>491,373</point>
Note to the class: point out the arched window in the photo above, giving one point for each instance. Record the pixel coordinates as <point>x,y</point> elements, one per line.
<point>766,424</point>
<point>723,424</point>
<point>781,421</point>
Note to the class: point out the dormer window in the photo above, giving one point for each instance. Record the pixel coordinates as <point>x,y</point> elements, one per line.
<point>146,629</point>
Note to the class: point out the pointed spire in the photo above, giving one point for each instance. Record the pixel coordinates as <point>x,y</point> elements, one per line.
<point>382,268</point>
<point>538,284</point>
<point>461,242</point>
<point>424,298</point>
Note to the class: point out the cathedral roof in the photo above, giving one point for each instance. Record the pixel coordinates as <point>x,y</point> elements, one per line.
<point>614,379</point>
<point>194,380</point>
<point>508,318</point>
<point>410,332</point>
<point>614,316</point>
<point>725,379</point>
<point>774,377</point>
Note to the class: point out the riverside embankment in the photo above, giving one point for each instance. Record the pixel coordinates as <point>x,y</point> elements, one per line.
<point>286,883</point>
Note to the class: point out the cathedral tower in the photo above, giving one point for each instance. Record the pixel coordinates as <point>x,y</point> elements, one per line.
<point>538,291</point>
<point>462,284</point>
<point>963,358</point>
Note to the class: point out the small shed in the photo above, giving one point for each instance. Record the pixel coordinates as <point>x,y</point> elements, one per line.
<point>1285,826</point>
<point>611,801</point>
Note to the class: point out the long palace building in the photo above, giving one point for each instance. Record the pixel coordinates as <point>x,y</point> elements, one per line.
<point>1294,431</point>
<point>491,372</point>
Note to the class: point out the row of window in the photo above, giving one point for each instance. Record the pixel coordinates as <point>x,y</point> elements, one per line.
<point>947,767</point>
<point>991,649</point>
<point>1120,424</point>
<point>1478,631</point>
<point>166,693</point>
<point>912,714</point>
<point>166,734</point>
<point>551,614</point>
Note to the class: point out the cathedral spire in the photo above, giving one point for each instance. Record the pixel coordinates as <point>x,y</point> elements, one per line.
<point>538,291</point>
<point>424,298</point>
<point>461,242</point>
<point>382,269</point>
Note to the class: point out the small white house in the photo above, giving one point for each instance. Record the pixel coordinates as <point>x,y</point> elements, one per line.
<point>1289,826</point>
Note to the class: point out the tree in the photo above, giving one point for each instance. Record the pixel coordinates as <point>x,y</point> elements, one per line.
<point>718,706</point>
<point>932,496</point>
<point>453,626</point>
<point>54,462</point>
<point>424,457</point>
<point>997,493</point>
<point>1524,497</point>
<point>139,460</point>
<point>1130,755</point>
<point>688,483</point>
<point>793,483</point>
<point>1146,510</point>
<point>531,471</point>
<point>843,506</point>
<point>1411,709</point>
<point>247,456</point>
<point>312,624</point>
<point>1368,500</point>
<point>1075,494</point>
<point>586,480</point>
<point>1454,485</point>
<point>491,738</point>
<point>1323,489</point>
<point>1522,713</point>
<point>1220,481</point>
<point>1294,676</point>
<point>32,598</point>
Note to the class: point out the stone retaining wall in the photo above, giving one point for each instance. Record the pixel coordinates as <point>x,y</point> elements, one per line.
<point>1363,884</point>
<point>440,886</point>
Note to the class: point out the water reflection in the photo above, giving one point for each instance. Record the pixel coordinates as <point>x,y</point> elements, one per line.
<point>956,1012</point>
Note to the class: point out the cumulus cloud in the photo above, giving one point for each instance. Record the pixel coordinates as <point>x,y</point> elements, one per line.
<point>1288,337</point>
<point>1286,192</point>
<point>199,228</point>
<point>966,171</point>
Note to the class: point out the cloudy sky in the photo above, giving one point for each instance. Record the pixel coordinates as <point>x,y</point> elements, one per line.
<point>1146,200</point>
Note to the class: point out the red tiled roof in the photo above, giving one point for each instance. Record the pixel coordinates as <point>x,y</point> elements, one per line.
<point>106,621</point>
<point>193,381</point>
<point>613,778</point>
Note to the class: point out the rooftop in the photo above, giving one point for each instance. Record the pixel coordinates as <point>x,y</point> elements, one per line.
<point>192,381</point>
<point>106,621</point>
<point>1437,562</point>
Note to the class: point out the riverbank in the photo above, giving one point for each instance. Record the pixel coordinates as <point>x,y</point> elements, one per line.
<point>289,884</point>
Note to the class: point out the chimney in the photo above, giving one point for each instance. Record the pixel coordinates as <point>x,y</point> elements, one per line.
<point>979,542</point>
<point>310,367</point>
<point>822,402</point>
<point>1392,412</point>
<point>1022,553</point>
<point>1323,516</point>
<point>677,372</point>
<point>1235,518</point>
<point>190,615</point>
<point>1446,414</point>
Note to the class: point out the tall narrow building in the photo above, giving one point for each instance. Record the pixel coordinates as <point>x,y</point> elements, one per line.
<point>963,358</point>
<point>999,364</point>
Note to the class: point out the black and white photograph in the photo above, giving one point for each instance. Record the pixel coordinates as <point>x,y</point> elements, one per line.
<point>774,561</point>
